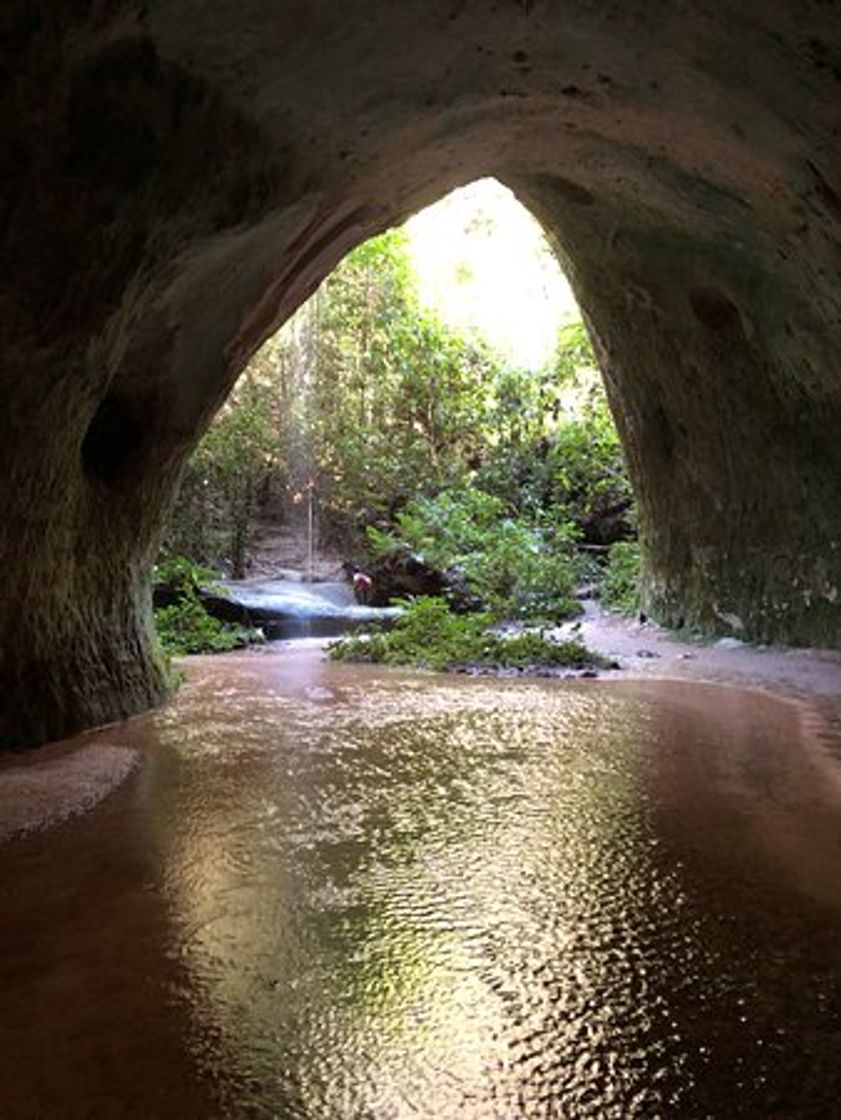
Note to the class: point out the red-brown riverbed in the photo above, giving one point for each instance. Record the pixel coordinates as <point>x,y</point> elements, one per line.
<point>333,893</point>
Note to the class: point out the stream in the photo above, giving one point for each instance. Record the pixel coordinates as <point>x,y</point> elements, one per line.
<point>328,892</point>
<point>292,607</point>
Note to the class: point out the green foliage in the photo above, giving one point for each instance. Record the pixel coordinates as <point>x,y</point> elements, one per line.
<point>184,626</point>
<point>429,635</point>
<point>364,400</point>
<point>532,649</point>
<point>226,478</point>
<point>183,576</point>
<point>396,399</point>
<point>574,358</point>
<point>448,527</point>
<point>516,569</point>
<point>387,422</point>
<point>620,586</point>
<point>555,446</point>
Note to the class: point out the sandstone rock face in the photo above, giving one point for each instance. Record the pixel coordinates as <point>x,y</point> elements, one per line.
<point>179,177</point>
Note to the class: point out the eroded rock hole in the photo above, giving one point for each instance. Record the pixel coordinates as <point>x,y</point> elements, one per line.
<point>113,441</point>
<point>713,309</point>
<point>574,192</point>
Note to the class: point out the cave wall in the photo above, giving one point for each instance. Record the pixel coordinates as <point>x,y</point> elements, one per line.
<point>722,381</point>
<point>180,177</point>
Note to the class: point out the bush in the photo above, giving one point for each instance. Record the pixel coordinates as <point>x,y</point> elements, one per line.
<point>184,626</point>
<point>430,636</point>
<point>620,585</point>
<point>555,450</point>
<point>181,576</point>
<point>514,568</point>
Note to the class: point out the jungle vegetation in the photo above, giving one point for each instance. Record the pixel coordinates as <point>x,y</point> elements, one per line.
<point>404,434</point>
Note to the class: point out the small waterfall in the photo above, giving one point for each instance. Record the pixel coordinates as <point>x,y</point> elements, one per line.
<point>289,607</point>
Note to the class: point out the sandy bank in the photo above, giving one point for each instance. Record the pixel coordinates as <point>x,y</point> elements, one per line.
<point>59,781</point>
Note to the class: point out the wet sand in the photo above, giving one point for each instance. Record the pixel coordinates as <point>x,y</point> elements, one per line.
<point>59,781</point>
<point>799,674</point>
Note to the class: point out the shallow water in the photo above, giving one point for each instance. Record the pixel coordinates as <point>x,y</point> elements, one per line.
<point>336,894</point>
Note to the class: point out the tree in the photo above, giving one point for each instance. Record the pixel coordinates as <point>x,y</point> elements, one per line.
<point>225,479</point>
<point>366,404</point>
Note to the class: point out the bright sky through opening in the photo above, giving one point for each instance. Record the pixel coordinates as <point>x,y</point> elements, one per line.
<point>483,263</point>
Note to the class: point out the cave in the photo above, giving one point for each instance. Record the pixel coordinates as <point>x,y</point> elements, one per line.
<point>179,179</point>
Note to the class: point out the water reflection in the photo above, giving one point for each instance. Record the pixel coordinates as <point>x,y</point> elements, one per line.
<point>399,896</point>
<point>459,900</point>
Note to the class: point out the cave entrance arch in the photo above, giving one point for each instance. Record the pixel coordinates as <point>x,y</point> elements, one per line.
<point>182,179</point>
<point>475,267</point>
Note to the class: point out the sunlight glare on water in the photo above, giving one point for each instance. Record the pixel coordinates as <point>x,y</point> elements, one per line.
<point>397,896</point>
